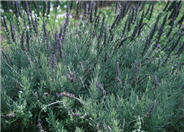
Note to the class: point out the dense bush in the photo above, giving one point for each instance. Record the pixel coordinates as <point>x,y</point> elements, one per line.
<point>117,70</point>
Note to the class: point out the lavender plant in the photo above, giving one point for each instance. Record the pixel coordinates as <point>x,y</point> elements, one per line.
<point>96,74</point>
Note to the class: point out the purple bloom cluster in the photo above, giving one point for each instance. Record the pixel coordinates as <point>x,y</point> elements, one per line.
<point>98,85</point>
<point>118,69</point>
<point>65,94</point>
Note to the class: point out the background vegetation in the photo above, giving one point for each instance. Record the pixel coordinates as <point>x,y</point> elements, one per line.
<point>92,66</point>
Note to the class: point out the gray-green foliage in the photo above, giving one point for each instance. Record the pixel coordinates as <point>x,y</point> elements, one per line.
<point>85,91</point>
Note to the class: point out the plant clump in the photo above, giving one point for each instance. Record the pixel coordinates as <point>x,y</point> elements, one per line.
<point>115,68</point>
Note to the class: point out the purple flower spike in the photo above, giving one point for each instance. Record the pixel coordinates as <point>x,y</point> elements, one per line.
<point>57,94</point>
<point>158,45</point>
<point>98,85</point>
<point>137,66</point>
<point>118,69</point>
<point>87,8</point>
